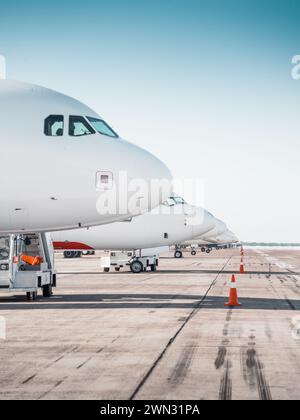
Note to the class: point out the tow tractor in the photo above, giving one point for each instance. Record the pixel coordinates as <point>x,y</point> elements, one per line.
<point>27,264</point>
<point>138,261</point>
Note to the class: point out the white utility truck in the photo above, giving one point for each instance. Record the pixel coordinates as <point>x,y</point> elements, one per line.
<point>138,261</point>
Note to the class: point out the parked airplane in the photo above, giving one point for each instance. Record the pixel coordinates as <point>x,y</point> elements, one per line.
<point>58,157</point>
<point>173,222</point>
<point>59,163</point>
<point>217,238</point>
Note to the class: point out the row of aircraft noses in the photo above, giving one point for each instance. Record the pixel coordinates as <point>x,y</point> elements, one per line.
<point>72,170</point>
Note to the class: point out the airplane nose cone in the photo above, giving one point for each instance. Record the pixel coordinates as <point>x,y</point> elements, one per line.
<point>201,220</point>
<point>153,169</point>
<point>151,177</point>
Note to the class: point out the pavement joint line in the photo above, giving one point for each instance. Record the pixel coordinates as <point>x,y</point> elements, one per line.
<point>173,338</point>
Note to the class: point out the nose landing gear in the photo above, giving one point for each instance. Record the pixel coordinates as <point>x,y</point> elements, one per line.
<point>178,253</point>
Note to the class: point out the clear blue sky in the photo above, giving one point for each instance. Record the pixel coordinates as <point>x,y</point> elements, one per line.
<point>205,85</point>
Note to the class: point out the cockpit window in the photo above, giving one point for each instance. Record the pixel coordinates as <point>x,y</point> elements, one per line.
<point>78,126</point>
<point>170,202</point>
<point>102,127</point>
<point>179,200</point>
<point>173,201</point>
<point>54,126</point>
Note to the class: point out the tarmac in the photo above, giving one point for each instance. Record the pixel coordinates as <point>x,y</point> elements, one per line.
<point>164,335</point>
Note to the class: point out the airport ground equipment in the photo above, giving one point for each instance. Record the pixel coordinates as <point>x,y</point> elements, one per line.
<point>138,261</point>
<point>27,264</point>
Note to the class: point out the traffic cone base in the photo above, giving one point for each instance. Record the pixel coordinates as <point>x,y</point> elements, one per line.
<point>233,299</point>
<point>242,269</point>
<point>233,296</point>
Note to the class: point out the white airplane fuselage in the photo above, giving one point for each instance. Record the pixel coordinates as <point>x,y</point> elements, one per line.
<point>50,183</point>
<point>164,226</point>
<point>220,234</point>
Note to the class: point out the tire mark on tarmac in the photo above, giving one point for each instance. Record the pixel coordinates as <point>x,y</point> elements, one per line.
<point>225,392</point>
<point>253,370</point>
<point>222,359</point>
<point>195,310</point>
<point>182,366</point>
<point>66,353</point>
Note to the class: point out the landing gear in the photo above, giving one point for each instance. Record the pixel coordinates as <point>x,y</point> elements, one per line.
<point>203,249</point>
<point>117,269</point>
<point>136,267</point>
<point>178,254</point>
<point>208,251</point>
<point>72,254</point>
<point>193,252</point>
<point>106,269</point>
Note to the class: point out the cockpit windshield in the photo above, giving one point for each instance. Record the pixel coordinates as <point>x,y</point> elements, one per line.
<point>102,127</point>
<point>173,201</point>
<point>179,200</point>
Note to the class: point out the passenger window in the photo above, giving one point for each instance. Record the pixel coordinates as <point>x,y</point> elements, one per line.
<point>78,126</point>
<point>54,126</point>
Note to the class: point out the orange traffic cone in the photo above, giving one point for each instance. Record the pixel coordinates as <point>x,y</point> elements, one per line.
<point>242,269</point>
<point>32,260</point>
<point>233,296</point>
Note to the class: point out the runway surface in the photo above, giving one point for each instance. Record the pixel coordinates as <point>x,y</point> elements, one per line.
<point>164,335</point>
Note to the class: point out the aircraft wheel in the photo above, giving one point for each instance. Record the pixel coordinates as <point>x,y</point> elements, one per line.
<point>194,253</point>
<point>208,251</point>
<point>47,290</point>
<point>203,250</point>
<point>136,267</point>
<point>106,270</point>
<point>69,254</point>
<point>117,269</point>
<point>178,254</point>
